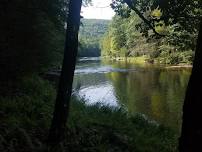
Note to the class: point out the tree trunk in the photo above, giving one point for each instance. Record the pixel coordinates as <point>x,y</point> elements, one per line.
<point>60,114</point>
<point>191,135</point>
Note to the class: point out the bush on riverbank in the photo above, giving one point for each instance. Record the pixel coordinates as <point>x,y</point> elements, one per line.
<point>25,119</point>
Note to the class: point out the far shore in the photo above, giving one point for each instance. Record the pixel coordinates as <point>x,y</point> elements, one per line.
<point>179,66</point>
<point>145,60</point>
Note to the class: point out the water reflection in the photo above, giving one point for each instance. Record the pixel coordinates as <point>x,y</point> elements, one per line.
<point>151,90</point>
<point>101,94</point>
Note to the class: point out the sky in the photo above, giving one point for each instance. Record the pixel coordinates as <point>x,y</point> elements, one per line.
<point>100,9</point>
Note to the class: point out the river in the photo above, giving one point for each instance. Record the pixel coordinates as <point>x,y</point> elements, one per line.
<point>153,91</point>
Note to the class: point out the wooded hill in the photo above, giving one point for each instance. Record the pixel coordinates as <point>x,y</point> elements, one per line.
<point>91,31</point>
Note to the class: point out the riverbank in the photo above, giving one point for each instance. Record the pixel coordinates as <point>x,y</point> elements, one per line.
<point>135,60</point>
<point>25,120</point>
<point>179,66</point>
<point>142,60</point>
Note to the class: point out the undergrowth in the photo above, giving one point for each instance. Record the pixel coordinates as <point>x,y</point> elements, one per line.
<point>25,119</point>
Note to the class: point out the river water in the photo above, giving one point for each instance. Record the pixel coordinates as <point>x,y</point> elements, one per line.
<point>153,91</point>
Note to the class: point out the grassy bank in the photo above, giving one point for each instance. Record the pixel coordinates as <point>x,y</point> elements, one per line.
<point>25,119</point>
<point>135,60</point>
<point>141,60</point>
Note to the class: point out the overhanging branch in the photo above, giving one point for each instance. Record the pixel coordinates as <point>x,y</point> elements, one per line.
<point>131,6</point>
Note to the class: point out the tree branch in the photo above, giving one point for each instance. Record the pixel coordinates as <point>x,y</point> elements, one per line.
<point>131,6</point>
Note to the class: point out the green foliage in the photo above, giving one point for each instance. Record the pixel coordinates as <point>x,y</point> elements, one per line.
<point>103,131</point>
<point>91,31</point>
<point>125,39</point>
<point>156,13</point>
<point>134,36</point>
<point>25,116</point>
<point>106,45</point>
<point>180,38</point>
<point>30,105</point>
<point>176,57</point>
<point>32,36</point>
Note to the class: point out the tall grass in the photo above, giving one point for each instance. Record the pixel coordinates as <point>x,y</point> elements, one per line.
<point>25,116</point>
<point>25,120</point>
<point>115,130</point>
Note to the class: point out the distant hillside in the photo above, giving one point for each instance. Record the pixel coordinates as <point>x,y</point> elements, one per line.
<point>93,28</point>
<point>91,31</point>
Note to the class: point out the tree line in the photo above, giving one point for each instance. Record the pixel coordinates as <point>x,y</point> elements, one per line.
<point>161,31</point>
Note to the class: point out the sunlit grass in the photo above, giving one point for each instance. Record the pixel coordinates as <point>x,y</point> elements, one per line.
<point>137,60</point>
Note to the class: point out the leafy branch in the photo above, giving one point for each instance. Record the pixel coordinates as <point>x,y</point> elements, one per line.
<point>131,6</point>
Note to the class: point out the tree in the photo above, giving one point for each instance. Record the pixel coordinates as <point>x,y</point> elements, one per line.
<point>117,6</point>
<point>191,135</point>
<point>31,34</point>
<point>118,35</point>
<point>106,44</point>
<point>182,12</point>
<point>60,115</point>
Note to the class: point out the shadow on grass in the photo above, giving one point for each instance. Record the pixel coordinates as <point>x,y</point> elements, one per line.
<point>25,120</point>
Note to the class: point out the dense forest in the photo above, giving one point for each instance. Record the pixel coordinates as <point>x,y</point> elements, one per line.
<point>171,40</point>
<point>32,37</point>
<point>91,32</point>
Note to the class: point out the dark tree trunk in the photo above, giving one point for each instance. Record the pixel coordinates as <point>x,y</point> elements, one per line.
<point>60,114</point>
<point>191,135</point>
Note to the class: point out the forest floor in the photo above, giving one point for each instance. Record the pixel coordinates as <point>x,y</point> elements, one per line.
<point>25,120</point>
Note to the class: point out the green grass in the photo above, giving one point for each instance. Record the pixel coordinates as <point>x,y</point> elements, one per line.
<point>137,60</point>
<point>114,130</point>
<point>25,120</point>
